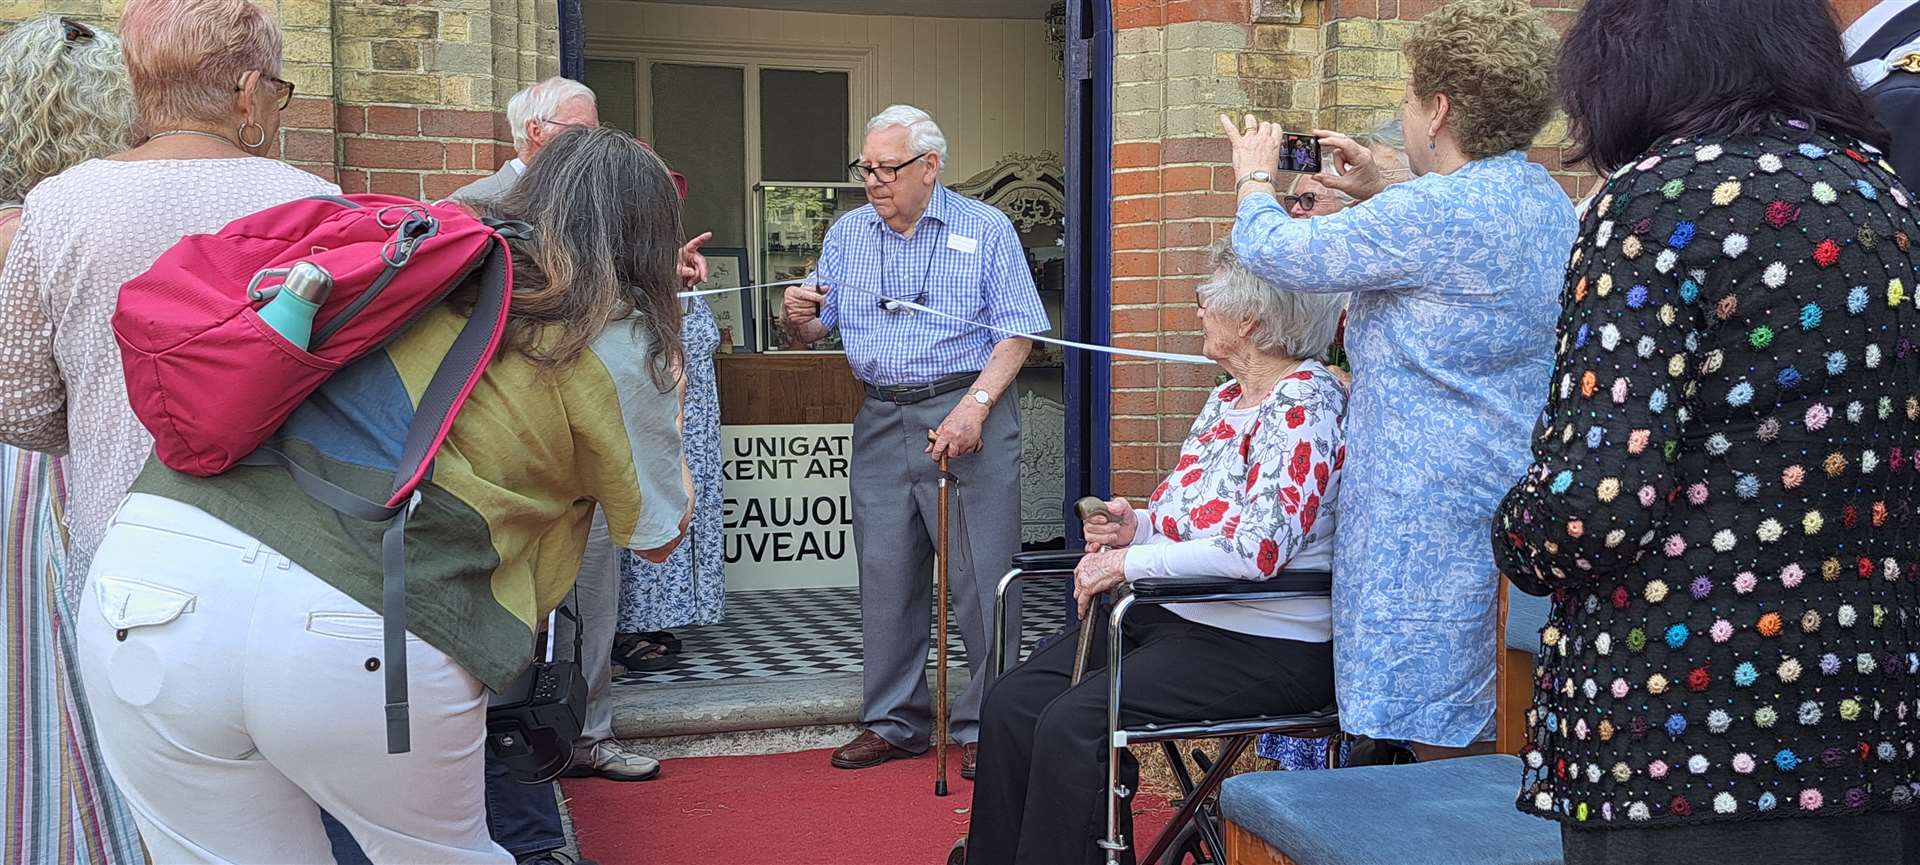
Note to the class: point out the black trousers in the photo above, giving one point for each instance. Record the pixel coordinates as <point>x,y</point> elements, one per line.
<point>1040,795</point>
<point>1882,838</point>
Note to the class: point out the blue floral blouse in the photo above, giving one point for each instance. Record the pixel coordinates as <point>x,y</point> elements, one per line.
<point>1456,282</point>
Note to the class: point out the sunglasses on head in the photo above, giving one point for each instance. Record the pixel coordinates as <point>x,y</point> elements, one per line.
<point>75,31</point>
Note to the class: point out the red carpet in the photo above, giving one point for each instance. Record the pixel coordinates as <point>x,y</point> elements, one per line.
<point>782,809</point>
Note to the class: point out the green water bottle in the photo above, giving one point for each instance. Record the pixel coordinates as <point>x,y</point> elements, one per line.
<point>293,306</point>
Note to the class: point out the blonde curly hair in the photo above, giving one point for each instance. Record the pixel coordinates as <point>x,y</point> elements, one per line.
<point>1494,59</point>
<point>62,102</point>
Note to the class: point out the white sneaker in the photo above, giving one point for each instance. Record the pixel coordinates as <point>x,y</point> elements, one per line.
<point>610,759</point>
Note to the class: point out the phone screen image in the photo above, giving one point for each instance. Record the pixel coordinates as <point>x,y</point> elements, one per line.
<point>1300,153</point>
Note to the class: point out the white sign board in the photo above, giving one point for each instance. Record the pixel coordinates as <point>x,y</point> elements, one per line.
<point>788,514</point>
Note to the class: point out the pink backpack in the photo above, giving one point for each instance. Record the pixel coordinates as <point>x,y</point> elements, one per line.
<point>212,382</point>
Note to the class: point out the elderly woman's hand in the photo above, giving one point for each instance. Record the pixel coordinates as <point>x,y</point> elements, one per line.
<point>1355,172</point>
<point>1114,532</point>
<point>1096,574</point>
<point>1256,147</point>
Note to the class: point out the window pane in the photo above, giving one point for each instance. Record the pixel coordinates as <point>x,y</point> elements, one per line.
<point>803,126</point>
<point>699,128</point>
<point>612,83</point>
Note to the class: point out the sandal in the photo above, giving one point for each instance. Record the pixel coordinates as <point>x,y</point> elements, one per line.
<point>957,854</point>
<point>648,652</point>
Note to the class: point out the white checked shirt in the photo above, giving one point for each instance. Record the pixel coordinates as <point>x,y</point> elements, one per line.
<point>964,259</point>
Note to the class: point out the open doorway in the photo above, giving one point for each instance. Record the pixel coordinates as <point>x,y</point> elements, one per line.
<point>761,104</point>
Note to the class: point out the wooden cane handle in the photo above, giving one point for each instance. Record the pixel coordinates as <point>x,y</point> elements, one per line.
<point>941,459</point>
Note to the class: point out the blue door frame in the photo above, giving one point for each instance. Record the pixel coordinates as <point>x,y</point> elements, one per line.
<point>1089,165</point>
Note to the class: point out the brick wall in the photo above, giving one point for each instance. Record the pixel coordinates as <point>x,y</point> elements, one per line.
<point>421,87</point>
<point>391,96</point>
<point>1179,63</point>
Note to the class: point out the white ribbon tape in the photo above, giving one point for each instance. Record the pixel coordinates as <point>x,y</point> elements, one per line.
<point>709,291</point>
<point>910,305</point>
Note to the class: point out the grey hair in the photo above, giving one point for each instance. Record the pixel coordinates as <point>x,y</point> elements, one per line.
<point>539,102</point>
<point>1389,134</point>
<point>923,135</point>
<point>1296,324</point>
<point>60,104</point>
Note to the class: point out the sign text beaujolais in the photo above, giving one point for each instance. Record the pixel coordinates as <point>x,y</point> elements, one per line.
<point>788,515</point>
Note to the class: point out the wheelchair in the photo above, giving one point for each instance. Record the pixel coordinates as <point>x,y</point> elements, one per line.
<point>1194,835</point>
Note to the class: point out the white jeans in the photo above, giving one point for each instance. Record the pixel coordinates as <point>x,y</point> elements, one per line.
<point>234,691</point>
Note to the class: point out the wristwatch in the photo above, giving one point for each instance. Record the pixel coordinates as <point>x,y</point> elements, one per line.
<point>1261,176</point>
<point>980,396</point>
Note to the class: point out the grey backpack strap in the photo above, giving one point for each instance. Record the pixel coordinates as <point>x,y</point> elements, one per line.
<point>465,360</point>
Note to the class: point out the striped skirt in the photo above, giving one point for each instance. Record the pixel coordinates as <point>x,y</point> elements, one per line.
<point>58,806</point>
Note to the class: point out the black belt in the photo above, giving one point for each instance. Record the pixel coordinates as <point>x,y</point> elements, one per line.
<point>908,394</point>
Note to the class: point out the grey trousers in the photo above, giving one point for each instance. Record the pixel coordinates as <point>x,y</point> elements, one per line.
<point>596,600</point>
<point>896,496</point>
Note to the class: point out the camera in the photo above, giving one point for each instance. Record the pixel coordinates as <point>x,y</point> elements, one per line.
<point>1300,153</point>
<point>531,726</point>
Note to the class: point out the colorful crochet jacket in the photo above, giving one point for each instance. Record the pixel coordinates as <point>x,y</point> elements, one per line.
<point>1722,501</point>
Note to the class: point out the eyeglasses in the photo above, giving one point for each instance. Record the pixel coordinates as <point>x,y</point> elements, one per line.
<point>882,173</point>
<point>1305,200</point>
<point>894,306</point>
<point>76,32</point>
<point>282,91</point>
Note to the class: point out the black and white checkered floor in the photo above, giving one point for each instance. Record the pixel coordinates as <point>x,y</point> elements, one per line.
<point>797,632</point>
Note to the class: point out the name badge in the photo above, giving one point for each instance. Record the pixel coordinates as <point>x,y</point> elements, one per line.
<point>962,243</point>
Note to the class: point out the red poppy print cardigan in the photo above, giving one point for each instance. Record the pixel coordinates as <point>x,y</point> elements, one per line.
<point>1252,494</point>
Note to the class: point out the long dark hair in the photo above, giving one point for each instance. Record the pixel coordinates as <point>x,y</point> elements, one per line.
<point>606,247</point>
<point>1634,72</point>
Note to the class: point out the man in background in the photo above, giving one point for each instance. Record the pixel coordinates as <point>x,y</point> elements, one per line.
<point>536,115</point>
<point>1882,41</point>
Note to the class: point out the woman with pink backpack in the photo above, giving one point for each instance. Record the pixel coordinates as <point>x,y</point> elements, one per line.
<point>229,631</point>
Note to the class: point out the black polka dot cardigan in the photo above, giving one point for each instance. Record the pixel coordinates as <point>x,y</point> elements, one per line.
<point>1722,503</point>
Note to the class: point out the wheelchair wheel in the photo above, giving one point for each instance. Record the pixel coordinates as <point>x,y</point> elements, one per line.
<point>1187,849</point>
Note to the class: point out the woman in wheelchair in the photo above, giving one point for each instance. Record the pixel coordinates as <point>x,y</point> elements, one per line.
<point>1252,494</point>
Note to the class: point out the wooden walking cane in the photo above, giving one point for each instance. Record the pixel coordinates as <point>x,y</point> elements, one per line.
<point>1090,510</point>
<point>940,636</point>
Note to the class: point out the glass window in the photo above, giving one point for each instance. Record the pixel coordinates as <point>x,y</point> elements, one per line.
<point>700,128</point>
<point>613,90</point>
<point>803,126</point>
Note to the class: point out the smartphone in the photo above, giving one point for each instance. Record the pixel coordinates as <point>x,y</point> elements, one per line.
<point>1300,153</point>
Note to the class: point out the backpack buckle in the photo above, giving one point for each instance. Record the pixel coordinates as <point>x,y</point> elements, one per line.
<point>416,226</point>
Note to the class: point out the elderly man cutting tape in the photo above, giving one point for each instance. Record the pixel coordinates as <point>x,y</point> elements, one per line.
<point>920,243</point>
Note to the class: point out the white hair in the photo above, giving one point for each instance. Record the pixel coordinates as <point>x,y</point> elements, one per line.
<point>923,135</point>
<point>1296,324</point>
<point>539,102</point>
<point>62,102</point>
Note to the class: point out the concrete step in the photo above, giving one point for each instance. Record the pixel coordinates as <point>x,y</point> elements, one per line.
<point>746,716</point>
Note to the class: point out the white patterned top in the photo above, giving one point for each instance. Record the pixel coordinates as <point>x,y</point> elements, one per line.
<point>86,232</point>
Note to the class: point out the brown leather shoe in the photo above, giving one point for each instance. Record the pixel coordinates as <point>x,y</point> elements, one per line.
<point>969,758</point>
<point>866,751</point>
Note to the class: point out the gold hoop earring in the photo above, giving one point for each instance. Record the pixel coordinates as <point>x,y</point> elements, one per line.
<point>252,144</point>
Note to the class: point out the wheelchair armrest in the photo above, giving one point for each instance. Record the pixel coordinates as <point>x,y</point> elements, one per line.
<point>1302,582</point>
<point>1048,561</point>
